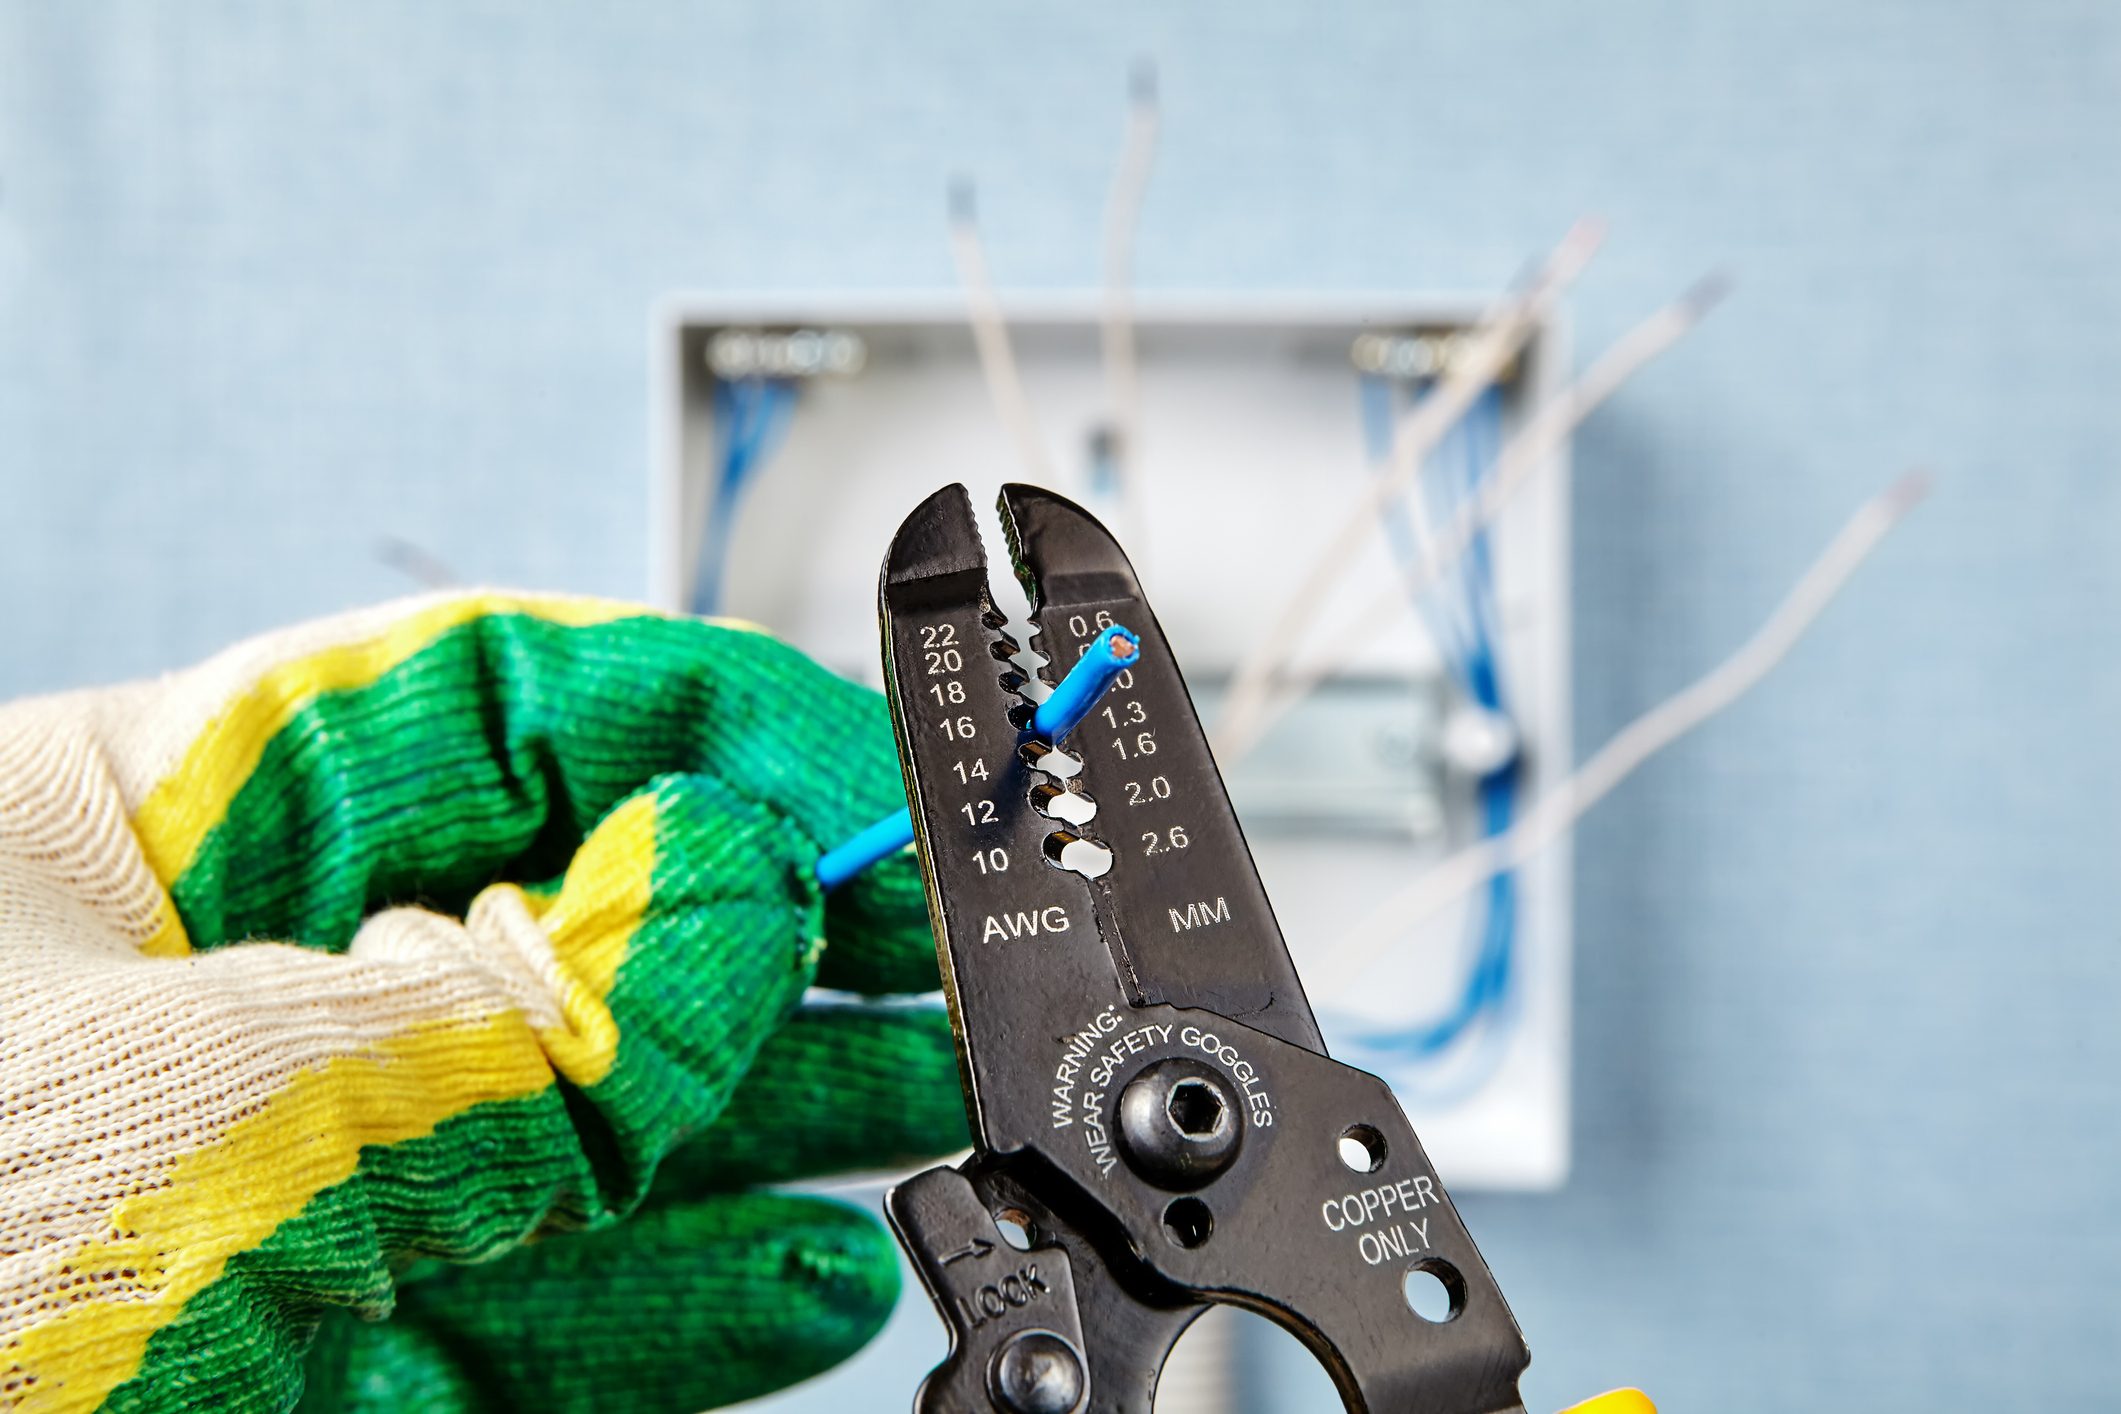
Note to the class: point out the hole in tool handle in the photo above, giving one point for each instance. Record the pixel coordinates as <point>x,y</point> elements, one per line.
<point>1362,1148</point>
<point>1434,1291</point>
<point>1188,1223</point>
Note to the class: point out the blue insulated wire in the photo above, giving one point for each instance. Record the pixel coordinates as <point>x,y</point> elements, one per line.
<point>751,415</point>
<point>879,841</point>
<point>1471,660</point>
<point>1109,654</point>
<point>1483,434</point>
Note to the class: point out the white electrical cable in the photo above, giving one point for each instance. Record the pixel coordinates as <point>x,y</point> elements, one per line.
<point>1532,448</point>
<point>1122,218</point>
<point>1636,743</point>
<point>422,565</point>
<point>1488,350</point>
<point>990,335</point>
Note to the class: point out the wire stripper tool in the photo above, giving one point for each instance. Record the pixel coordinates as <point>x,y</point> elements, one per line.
<point>1156,1124</point>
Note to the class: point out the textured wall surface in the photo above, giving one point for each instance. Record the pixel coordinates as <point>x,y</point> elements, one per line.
<point>277,280</point>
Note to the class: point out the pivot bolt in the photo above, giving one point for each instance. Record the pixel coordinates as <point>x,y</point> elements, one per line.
<point>1036,1372</point>
<point>1179,1123</point>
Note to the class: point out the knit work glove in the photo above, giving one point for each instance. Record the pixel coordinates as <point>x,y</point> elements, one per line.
<point>379,967</point>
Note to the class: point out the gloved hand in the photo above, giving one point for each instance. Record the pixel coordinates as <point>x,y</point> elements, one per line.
<point>379,967</point>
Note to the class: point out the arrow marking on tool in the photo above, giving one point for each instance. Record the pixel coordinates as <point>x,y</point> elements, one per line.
<point>977,1247</point>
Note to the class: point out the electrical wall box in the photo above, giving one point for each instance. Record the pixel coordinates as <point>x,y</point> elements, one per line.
<point>1251,448</point>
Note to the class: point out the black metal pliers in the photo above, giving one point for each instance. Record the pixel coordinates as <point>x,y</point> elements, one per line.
<point>1157,1126</point>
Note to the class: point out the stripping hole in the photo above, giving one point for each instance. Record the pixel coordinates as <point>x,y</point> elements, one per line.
<point>1052,760</point>
<point>1067,806</point>
<point>1030,689</point>
<point>1078,855</point>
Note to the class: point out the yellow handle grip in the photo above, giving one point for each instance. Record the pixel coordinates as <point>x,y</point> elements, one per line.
<point>1619,1401</point>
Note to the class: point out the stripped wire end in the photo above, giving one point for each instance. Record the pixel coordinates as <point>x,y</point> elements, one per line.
<point>1141,83</point>
<point>1907,492</point>
<point>1569,258</point>
<point>1107,656</point>
<point>1706,293</point>
<point>961,201</point>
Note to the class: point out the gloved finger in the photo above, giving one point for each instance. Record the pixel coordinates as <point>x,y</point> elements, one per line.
<point>837,1089</point>
<point>684,1308</point>
<point>292,786</point>
<point>877,929</point>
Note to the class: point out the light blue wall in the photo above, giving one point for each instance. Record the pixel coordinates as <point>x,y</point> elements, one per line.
<point>278,279</point>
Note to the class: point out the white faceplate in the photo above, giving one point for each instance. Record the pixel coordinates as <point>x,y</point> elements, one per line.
<point>1250,451</point>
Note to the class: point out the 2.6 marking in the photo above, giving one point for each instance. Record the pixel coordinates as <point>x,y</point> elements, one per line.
<point>1164,841</point>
